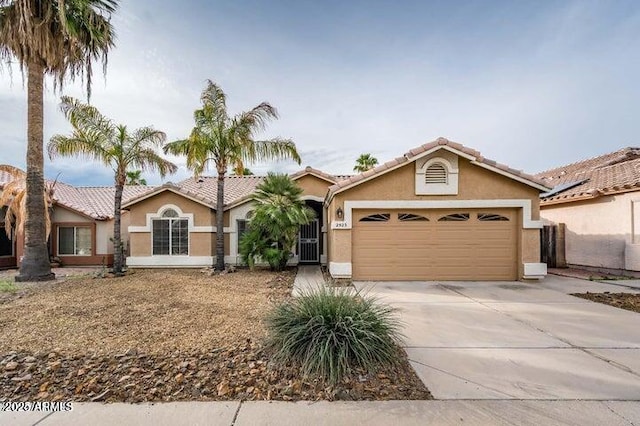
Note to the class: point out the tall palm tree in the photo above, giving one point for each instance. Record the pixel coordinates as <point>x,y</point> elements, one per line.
<point>134,177</point>
<point>13,197</point>
<point>96,137</point>
<point>228,141</point>
<point>59,38</point>
<point>365,162</point>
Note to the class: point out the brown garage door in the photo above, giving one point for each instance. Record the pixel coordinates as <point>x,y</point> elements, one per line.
<point>435,244</point>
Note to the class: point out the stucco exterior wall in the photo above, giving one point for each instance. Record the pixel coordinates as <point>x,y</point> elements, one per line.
<point>61,214</point>
<point>202,215</point>
<point>474,183</point>
<point>314,186</point>
<point>599,232</point>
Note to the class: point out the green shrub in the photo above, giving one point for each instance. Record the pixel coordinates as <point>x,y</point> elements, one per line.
<point>7,287</point>
<point>329,332</point>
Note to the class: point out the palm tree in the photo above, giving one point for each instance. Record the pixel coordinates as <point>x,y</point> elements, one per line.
<point>228,142</point>
<point>244,171</point>
<point>134,177</point>
<point>60,38</point>
<point>13,197</point>
<point>96,137</point>
<point>279,212</point>
<point>365,162</point>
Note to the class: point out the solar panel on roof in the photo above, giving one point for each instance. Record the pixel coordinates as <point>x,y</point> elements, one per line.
<point>562,187</point>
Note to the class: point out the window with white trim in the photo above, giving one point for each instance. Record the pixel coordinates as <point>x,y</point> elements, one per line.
<point>74,241</point>
<point>242,228</point>
<point>170,235</point>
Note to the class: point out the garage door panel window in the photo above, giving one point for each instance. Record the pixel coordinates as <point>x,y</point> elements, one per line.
<point>74,241</point>
<point>410,217</point>
<point>455,217</point>
<point>492,217</point>
<point>378,217</point>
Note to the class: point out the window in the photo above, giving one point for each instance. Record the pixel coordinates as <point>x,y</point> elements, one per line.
<point>242,228</point>
<point>6,243</point>
<point>410,217</point>
<point>455,217</point>
<point>379,217</point>
<point>74,241</point>
<point>435,173</point>
<point>492,217</point>
<point>170,234</point>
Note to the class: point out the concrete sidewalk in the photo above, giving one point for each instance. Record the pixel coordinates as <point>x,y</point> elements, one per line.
<point>309,277</point>
<point>470,412</point>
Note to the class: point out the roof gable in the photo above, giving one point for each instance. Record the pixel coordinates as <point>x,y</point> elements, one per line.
<point>441,143</point>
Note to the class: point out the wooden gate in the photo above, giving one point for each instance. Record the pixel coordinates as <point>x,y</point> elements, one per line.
<point>552,250</point>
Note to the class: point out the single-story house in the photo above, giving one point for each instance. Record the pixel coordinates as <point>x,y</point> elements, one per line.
<point>598,201</point>
<point>81,225</point>
<point>440,212</point>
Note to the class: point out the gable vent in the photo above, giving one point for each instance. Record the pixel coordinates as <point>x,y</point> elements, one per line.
<point>436,173</point>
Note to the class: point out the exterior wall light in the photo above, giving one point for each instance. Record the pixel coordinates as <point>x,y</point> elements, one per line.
<point>339,213</point>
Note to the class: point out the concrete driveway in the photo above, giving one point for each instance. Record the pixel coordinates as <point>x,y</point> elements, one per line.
<point>514,340</point>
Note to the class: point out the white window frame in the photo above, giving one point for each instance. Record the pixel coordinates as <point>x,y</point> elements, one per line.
<point>170,219</point>
<point>74,241</point>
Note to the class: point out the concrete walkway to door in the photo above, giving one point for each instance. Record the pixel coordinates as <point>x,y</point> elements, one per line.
<point>515,340</point>
<point>309,277</point>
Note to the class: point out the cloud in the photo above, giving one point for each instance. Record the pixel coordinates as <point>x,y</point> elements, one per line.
<point>529,85</point>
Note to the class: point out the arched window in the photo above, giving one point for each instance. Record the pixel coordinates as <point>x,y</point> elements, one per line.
<point>170,213</point>
<point>170,234</point>
<point>435,173</point>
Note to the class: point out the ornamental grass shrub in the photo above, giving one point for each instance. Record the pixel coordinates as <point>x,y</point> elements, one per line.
<point>329,332</point>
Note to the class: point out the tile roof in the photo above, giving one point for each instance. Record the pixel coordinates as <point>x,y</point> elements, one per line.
<point>311,170</point>
<point>615,172</point>
<point>95,202</point>
<point>237,189</point>
<point>413,153</point>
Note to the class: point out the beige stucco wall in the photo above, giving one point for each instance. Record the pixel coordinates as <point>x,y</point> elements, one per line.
<point>200,243</point>
<point>599,231</point>
<point>61,214</point>
<point>474,183</point>
<point>203,215</point>
<point>314,186</point>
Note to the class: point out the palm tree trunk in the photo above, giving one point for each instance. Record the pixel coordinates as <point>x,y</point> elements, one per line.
<point>35,264</point>
<point>117,218</point>
<point>220,223</point>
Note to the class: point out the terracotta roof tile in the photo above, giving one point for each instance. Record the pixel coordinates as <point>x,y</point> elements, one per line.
<point>617,171</point>
<point>411,154</point>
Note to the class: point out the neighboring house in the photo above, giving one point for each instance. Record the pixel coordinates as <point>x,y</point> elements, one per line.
<point>440,212</point>
<point>598,200</point>
<point>81,226</point>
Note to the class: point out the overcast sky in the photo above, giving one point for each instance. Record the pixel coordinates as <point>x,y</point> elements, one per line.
<point>531,84</point>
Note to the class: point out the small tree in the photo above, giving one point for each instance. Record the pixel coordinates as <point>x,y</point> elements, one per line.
<point>97,137</point>
<point>365,162</point>
<point>275,223</point>
<point>134,177</point>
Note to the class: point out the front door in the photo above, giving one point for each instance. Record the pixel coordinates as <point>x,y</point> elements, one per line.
<point>309,242</point>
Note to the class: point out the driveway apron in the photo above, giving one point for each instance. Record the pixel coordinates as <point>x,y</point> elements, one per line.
<point>514,340</point>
